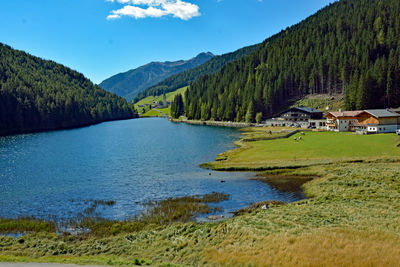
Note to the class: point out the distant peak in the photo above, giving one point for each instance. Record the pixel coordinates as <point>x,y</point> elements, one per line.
<point>207,54</point>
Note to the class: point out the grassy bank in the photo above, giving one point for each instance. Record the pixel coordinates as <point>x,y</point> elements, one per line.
<point>351,218</point>
<point>313,148</point>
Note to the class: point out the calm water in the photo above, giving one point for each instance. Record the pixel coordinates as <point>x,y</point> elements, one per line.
<point>131,162</point>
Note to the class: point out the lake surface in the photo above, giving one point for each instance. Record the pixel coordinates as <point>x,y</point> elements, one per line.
<point>131,162</point>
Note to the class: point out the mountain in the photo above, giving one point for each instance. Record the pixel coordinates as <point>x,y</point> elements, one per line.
<point>37,94</point>
<point>351,47</point>
<point>184,78</point>
<point>130,83</point>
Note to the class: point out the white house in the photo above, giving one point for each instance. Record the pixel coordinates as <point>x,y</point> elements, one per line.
<point>342,121</point>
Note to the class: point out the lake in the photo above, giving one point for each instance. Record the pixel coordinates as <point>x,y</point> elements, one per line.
<point>130,162</point>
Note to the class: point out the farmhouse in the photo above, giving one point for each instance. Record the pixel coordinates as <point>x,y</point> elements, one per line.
<point>377,121</point>
<point>342,121</point>
<point>301,114</point>
<point>368,121</point>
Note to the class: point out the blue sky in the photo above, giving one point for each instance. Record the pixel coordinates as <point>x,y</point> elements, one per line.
<point>101,38</point>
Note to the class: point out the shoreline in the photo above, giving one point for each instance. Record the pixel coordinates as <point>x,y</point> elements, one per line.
<point>51,129</point>
<point>216,123</point>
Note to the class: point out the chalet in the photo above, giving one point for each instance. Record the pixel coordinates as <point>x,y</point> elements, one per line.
<point>342,121</point>
<point>301,114</point>
<point>367,121</point>
<point>377,121</point>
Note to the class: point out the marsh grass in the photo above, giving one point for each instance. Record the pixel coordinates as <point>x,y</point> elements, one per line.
<point>157,213</point>
<point>181,209</point>
<point>26,224</point>
<point>94,204</point>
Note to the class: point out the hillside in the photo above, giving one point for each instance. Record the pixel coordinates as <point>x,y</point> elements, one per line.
<point>325,102</point>
<point>146,102</point>
<point>351,47</point>
<point>37,94</point>
<point>132,82</point>
<point>185,78</point>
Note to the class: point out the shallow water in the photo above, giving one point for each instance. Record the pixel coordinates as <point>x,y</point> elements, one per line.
<point>131,162</point>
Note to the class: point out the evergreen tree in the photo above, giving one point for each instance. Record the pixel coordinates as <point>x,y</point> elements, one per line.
<point>177,106</point>
<point>258,117</point>
<point>250,113</point>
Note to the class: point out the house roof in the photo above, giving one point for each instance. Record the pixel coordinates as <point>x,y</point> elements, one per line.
<point>339,114</point>
<point>304,109</point>
<point>382,113</point>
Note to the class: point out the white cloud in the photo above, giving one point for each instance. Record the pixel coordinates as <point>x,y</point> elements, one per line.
<point>155,8</point>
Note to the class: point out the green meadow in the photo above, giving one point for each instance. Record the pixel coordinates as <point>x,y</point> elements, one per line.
<point>313,148</point>
<point>159,112</point>
<point>151,99</point>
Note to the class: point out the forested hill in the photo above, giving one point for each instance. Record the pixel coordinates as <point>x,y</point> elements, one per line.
<point>350,47</point>
<point>185,78</point>
<point>132,82</point>
<point>38,94</point>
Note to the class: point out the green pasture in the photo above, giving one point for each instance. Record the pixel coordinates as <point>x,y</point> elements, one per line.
<point>150,99</point>
<point>313,148</point>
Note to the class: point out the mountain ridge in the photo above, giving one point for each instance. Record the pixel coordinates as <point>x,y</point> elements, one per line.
<point>184,78</point>
<point>129,83</point>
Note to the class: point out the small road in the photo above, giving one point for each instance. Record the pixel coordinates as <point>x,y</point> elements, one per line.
<point>39,264</point>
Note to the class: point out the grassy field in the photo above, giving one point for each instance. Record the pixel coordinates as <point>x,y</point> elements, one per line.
<point>150,99</point>
<point>166,111</point>
<point>160,112</point>
<point>313,148</point>
<point>351,216</point>
<point>152,113</point>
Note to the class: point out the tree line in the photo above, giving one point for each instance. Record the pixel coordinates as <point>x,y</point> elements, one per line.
<point>351,47</point>
<point>38,94</point>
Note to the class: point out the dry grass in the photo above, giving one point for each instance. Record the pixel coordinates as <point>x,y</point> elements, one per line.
<point>252,134</point>
<point>323,247</point>
<point>321,101</point>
